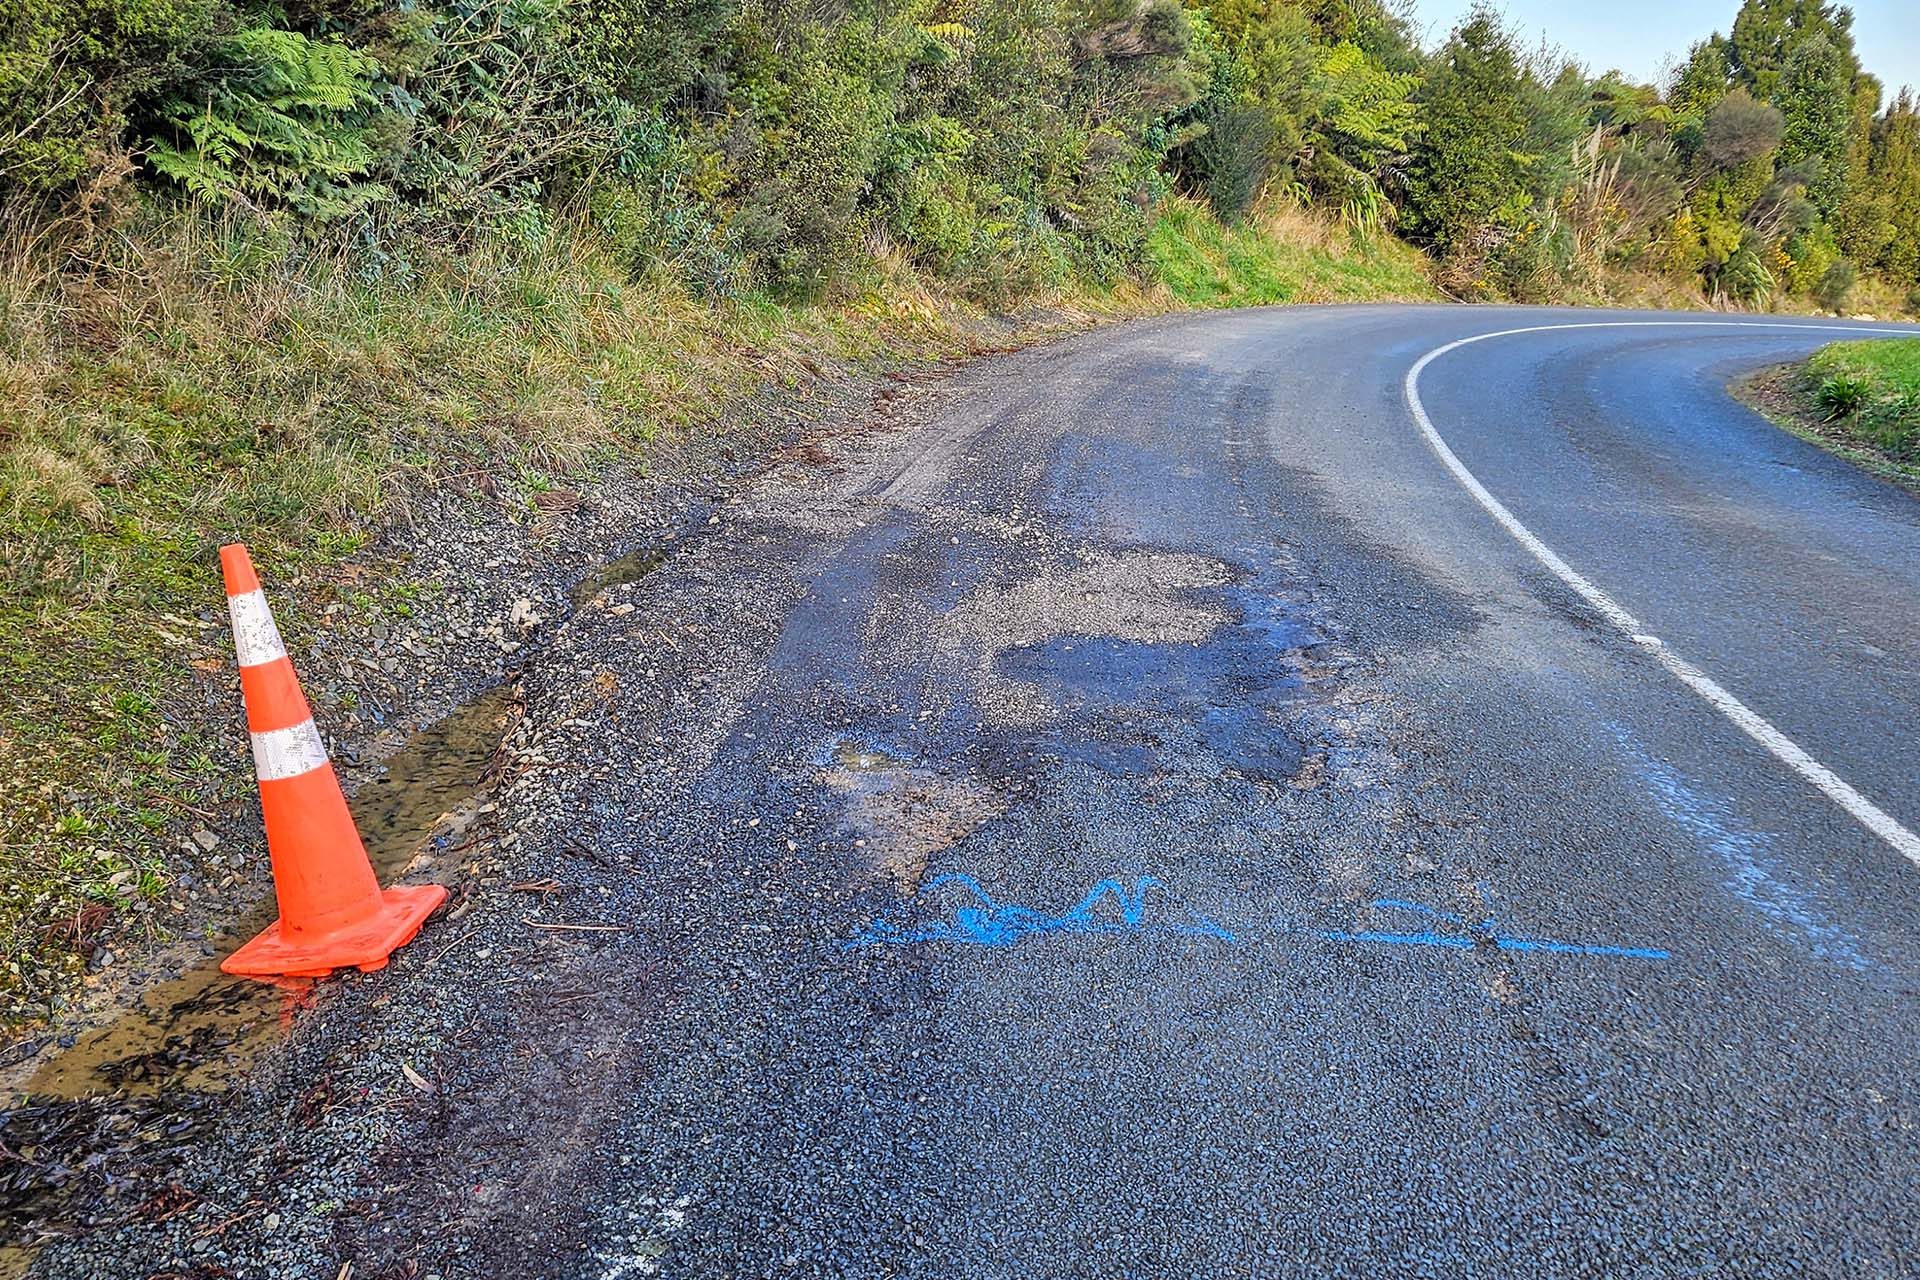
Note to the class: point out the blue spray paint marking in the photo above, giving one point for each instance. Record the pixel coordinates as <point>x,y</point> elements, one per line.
<point>1753,875</point>
<point>994,924</point>
<point>1476,935</point>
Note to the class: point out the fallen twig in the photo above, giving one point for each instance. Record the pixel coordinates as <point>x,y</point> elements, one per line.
<point>539,886</point>
<point>573,928</point>
<point>442,954</point>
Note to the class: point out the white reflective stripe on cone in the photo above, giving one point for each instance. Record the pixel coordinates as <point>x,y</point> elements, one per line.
<point>288,753</point>
<point>255,638</point>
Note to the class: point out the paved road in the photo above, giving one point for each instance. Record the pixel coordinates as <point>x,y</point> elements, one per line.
<point>1132,812</point>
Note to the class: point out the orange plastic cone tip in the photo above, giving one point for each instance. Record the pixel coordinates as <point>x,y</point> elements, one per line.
<point>333,912</point>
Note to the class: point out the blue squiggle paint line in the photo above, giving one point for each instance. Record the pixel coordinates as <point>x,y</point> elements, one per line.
<point>1486,931</point>
<point>1580,948</point>
<point>1752,875</point>
<point>994,924</point>
<point>1460,943</point>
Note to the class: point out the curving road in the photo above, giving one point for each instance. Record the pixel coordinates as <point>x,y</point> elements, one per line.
<point>1140,813</point>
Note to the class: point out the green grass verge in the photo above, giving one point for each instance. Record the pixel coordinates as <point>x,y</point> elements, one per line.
<point>1871,390</point>
<point>1279,255</point>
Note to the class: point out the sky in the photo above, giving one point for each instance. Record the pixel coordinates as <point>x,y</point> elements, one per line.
<point>1640,37</point>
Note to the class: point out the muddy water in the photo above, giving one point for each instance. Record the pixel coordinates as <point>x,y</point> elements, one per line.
<point>628,568</point>
<point>202,1030</point>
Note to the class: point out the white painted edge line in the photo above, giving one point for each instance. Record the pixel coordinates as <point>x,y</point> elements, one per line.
<point>256,640</point>
<point>1751,723</point>
<point>279,754</point>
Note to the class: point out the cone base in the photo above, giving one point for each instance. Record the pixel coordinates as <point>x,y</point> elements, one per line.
<point>364,946</point>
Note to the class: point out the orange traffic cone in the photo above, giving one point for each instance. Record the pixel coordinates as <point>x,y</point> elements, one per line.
<point>333,912</point>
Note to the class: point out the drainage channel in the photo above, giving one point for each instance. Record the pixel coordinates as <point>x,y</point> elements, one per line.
<point>148,1080</point>
<point>147,1083</point>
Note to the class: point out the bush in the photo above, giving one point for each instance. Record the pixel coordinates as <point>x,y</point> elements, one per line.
<point>1835,284</point>
<point>1231,157</point>
<point>71,72</point>
<point>283,122</point>
<point>1842,395</point>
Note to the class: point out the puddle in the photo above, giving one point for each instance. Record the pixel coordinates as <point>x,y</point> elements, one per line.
<point>443,765</point>
<point>202,1030</point>
<point>197,1032</point>
<point>124,1096</point>
<point>631,567</point>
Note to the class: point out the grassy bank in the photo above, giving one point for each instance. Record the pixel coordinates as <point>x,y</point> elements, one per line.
<point>1871,390</point>
<point>1860,400</point>
<point>182,383</point>
<point>1281,254</point>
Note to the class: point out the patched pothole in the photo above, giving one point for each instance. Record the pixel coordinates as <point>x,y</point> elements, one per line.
<point>905,813</point>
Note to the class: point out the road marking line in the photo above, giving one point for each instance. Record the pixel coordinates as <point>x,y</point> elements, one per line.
<point>1751,723</point>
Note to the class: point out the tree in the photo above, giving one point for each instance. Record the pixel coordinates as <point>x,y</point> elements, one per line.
<point>1766,32</point>
<point>1816,105</point>
<point>1699,85</point>
<point>1894,166</point>
<point>1466,172</point>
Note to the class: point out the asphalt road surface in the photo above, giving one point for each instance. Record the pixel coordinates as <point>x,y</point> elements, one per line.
<point>1135,810</point>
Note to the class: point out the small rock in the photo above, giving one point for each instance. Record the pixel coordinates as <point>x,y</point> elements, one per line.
<point>523,615</point>
<point>206,839</point>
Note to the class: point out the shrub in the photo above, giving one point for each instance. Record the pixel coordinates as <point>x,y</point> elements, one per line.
<point>71,71</point>
<point>284,121</point>
<point>1232,155</point>
<point>1842,395</point>
<point>1835,284</point>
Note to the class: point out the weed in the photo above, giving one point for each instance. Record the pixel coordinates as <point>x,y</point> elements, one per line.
<point>1842,395</point>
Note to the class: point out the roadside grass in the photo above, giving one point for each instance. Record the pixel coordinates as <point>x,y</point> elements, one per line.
<point>1871,390</point>
<point>1859,400</point>
<point>1281,254</point>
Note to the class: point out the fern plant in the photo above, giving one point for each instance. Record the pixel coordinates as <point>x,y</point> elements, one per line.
<point>285,122</point>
